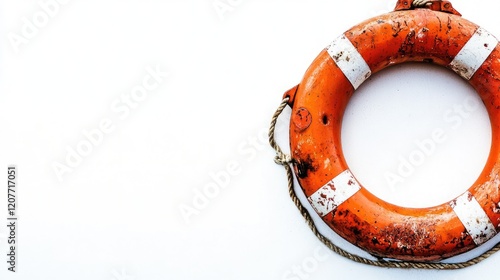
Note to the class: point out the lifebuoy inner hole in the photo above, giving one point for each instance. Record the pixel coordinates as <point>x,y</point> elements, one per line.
<point>416,135</point>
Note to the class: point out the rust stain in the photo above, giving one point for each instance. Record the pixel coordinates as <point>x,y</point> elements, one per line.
<point>408,44</point>
<point>304,166</point>
<point>396,28</point>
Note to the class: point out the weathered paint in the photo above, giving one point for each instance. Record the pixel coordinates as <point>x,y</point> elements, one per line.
<point>473,217</point>
<point>380,228</point>
<point>302,119</point>
<point>348,59</point>
<point>474,53</point>
<point>334,193</point>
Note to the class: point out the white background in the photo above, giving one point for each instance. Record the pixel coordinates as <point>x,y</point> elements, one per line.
<point>117,213</point>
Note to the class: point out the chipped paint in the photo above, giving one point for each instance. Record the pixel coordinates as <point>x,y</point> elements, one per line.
<point>334,193</point>
<point>474,219</point>
<point>348,59</point>
<point>474,53</point>
<point>302,119</point>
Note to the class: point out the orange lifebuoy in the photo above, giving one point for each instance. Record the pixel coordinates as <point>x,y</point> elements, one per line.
<point>438,35</point>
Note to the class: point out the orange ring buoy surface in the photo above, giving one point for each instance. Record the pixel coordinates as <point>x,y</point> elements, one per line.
<point>318,105</point>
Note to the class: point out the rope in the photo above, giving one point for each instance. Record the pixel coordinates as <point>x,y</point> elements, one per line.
<point>281,158</point>
<point>421,3</point>
<point>286,160</point>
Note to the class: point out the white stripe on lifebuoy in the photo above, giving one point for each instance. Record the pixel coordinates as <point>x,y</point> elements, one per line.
<point>334,193</point>
<point>474,53</point>
<point>474,219</point>
<point>350,62</point>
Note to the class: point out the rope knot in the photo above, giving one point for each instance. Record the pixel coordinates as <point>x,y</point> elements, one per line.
<point>283,159</point>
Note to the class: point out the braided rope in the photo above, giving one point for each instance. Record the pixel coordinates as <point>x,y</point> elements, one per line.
<point>286,160</point>
<point>421,3</point>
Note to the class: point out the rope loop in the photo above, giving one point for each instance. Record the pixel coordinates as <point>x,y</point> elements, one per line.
<point>283,159</point>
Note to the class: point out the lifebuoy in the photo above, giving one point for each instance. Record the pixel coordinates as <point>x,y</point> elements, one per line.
<point>435,34</point>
